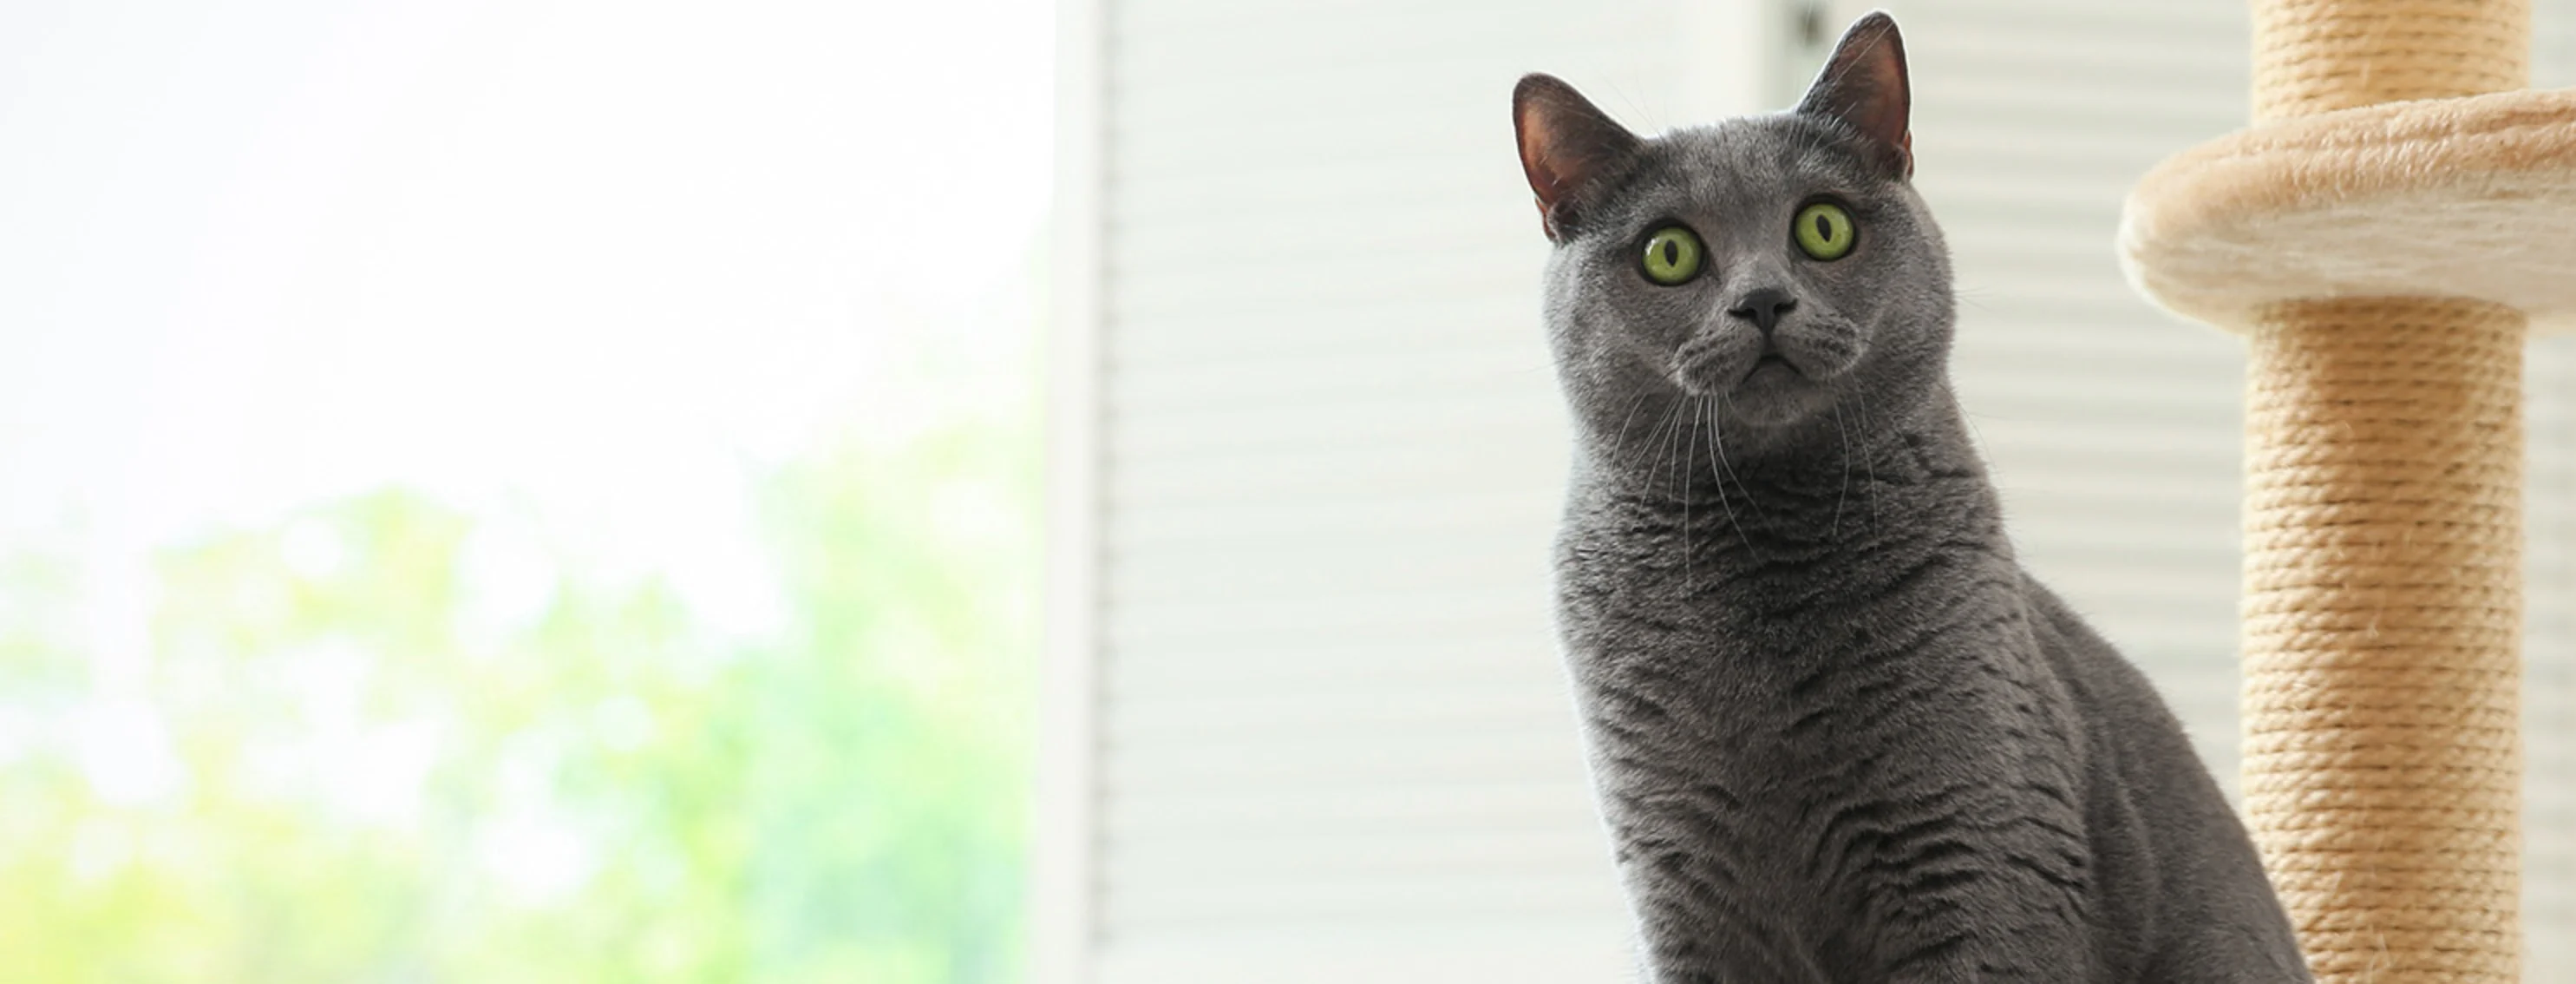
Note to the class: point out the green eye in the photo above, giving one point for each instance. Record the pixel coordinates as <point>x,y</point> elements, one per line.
<point>1824,230</point>
<point>1672,256</point>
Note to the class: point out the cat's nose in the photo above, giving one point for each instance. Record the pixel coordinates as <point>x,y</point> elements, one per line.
<point>1764,307</point>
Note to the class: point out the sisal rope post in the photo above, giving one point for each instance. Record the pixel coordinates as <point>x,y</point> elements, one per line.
<point>2317,56</point>
<point>2383,530</point>
<point>2382,628</point>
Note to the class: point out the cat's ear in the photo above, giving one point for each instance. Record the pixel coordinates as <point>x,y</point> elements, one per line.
<point>1568,146</point>
<point>1864,85</point>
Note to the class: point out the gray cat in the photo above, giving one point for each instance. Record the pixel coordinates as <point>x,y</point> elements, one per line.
<point>1838,733</point>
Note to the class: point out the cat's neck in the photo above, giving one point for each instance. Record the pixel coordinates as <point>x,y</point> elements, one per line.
<point>1845,486</point>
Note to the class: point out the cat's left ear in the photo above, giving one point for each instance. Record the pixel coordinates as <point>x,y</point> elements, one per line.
<point>1864,85</point>
<point>1569,149</point>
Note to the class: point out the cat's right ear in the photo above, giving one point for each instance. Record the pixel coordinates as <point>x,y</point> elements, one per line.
<point>1863,84</point>
<point>1568,147</point>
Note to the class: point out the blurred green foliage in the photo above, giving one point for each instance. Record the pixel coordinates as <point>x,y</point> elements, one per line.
<point>335,763</point>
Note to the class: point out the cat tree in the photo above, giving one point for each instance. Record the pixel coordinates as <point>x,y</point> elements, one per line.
<point>2398,213</point>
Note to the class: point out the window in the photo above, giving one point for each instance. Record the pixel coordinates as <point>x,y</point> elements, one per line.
<point>540,491</point>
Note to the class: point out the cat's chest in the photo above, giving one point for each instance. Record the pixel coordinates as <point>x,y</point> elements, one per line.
<point>1775,725</point>
<point>1777,674</point>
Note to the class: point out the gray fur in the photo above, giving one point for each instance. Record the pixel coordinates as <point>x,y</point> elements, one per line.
<point>1838,732</point>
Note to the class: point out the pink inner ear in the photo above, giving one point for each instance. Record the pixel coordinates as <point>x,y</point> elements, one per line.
<point>1878,103</point>
<point>1549,186</point>
<point>1564,143</point>
<point>1545,178</point>
<point>1864,84</point>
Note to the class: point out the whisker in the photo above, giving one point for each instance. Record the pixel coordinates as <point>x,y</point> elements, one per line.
<point>1835,532</point>
<point>1976,438</point>
<point>1671,416</point>
<point>1682,409</point>
<point>1749,500</point>
<point>1631,418</point>
<point>1717,442</point>
<point>1689,537</point>
<point>1868,458</point>
<point>1673,434</point>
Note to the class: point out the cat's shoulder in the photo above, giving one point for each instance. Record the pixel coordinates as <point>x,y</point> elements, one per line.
<point>2093,669</point>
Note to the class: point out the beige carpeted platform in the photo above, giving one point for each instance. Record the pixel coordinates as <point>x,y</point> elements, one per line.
<point>2472,197</point>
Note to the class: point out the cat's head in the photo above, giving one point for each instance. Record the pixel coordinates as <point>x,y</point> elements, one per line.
<point>1779,267</point>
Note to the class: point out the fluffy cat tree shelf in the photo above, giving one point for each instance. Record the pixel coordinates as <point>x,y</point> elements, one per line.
<point>2383,235</point>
